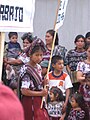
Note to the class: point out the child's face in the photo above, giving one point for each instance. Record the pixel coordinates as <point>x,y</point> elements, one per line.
<point>74,104</point>
<point>36,57</point>
<point>44,71</point>
<point>14,39</point>
<point>59,65</point>
<point>88,82</point>
<point>52,96</point>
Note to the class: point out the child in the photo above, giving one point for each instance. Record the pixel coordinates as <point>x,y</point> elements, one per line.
<point>57,77</point>
<point>14,48</point>
<point>77,103</point>
<point>31,83</point>
<point>55,105</point>
<point>44,66</point>
<point>85,91</point>
<point>13,51</point>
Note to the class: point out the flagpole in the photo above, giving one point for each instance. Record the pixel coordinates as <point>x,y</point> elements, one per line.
<point>51,50</point>
<point>2,38</point>
<point>57,13</point>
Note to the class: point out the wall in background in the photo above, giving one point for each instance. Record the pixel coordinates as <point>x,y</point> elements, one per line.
<point>77,20</point>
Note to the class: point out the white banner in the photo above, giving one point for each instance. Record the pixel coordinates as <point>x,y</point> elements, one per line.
<point>16,15</point>
<point>61,14</point>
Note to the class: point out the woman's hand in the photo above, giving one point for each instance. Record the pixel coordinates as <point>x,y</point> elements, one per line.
<point>44,92</point>
<point>25,91</point>
<point>46,81</point>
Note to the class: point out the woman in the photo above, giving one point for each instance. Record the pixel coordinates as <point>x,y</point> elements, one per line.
<point>16,64</point>
<point>73,57</point>
<point>84,66</point>
<point>22,58</point>
<point>58,49</point>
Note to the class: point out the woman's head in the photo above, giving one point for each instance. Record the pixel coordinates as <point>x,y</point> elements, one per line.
<point>88,50</point>
<point>56,94</point>
<point>87,38</point>
<point>27,39</point>
<point>50,36</point>
<point>79,41</point>
<point>76,100</point>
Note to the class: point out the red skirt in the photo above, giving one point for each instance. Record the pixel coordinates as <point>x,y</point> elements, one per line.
<point>32,109</point>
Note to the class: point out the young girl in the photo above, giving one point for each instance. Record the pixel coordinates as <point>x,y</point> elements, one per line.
<point>85,91</point>
<point>77,103</point>
<point>55,104</point>
<point>31,83</point>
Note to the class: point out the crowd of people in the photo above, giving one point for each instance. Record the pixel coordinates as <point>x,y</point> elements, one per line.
<point>65,95</point>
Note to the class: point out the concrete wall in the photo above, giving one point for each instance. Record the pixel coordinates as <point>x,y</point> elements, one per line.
<point>77,20</point>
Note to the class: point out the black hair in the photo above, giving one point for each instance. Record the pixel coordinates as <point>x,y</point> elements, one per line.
<point>87,35</point>
<point>56,91</point>
<point>37,45</point>
<point>80,100</point>
<point>27,36</point>
<point>56,58</point>
<point>10,34</point>
<point>52,32</point>
<point>36,49</point>
<point>87,46</point>
<point>78,37</point>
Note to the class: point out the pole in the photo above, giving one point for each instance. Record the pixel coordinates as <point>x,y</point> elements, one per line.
<point>2,38</point>
<point>51,50</point>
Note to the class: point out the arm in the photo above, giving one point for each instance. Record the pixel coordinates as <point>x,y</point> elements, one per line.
<point>15,62</point>
<point>63,116</point>
<point>66,100</point>
<point>28,92</point>
<point>80,76</point>
<point>68,69</point>
<point>67,96</point>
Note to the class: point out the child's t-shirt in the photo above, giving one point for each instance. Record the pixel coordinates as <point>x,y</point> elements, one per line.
<point>14,49</point>
<point>62,81</point>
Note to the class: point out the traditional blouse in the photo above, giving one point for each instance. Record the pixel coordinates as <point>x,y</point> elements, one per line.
<point>76,115</point>
<point>73,57</point>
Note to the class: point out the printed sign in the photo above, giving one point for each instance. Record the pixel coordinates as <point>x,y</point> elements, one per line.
<point>16,15</point>
<point>61,14</point>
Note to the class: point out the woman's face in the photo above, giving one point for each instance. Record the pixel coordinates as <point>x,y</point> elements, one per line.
<point>49,39</point>
<point>88,52</point>
<point>88,40</point>
<point>26,43</point>
<point>80,43</point>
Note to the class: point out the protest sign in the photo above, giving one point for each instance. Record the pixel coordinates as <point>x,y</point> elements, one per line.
<point>16,15</point>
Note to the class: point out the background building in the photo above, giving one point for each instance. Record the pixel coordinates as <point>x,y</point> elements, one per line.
<point>77,20</point>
